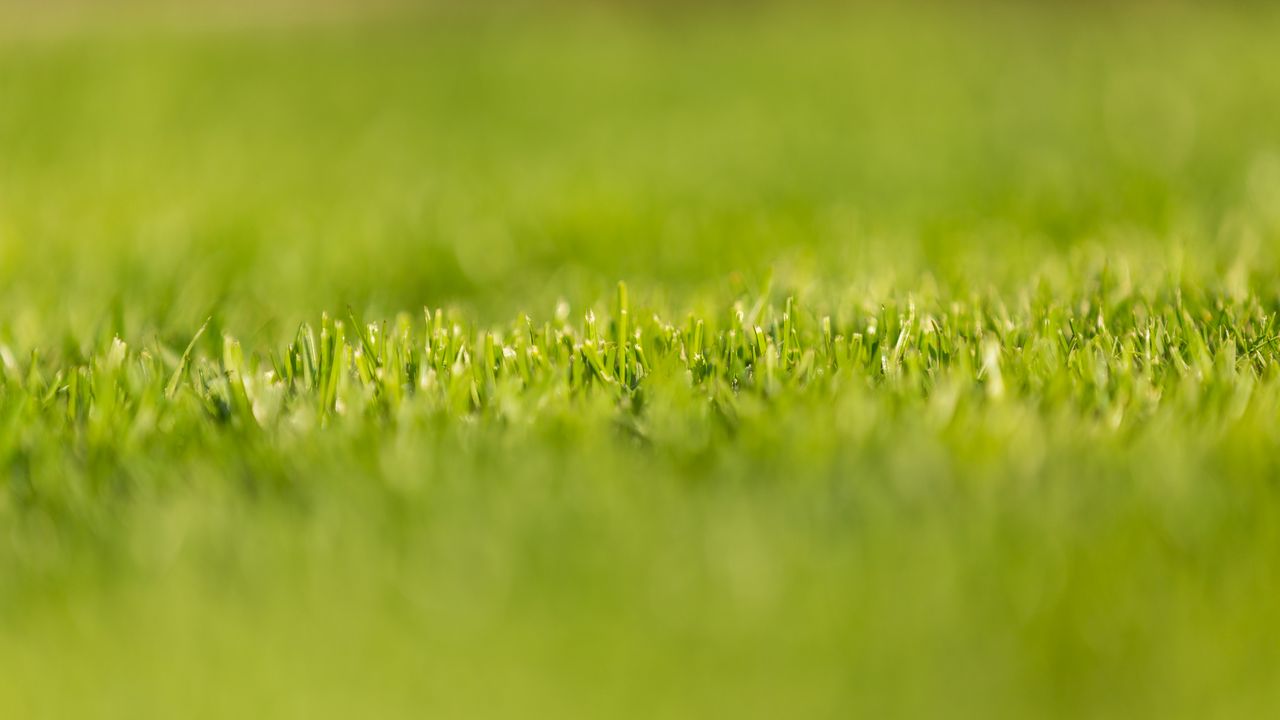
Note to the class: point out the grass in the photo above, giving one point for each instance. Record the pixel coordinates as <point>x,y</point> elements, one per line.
<point>942,377</point>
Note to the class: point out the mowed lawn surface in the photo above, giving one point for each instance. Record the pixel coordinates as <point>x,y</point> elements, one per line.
<point>641,361</point>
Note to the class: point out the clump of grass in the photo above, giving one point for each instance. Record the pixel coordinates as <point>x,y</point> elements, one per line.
<point>1116,361</point>
<point>778,458</point>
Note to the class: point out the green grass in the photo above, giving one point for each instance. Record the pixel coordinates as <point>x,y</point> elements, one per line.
<point>942,378</point>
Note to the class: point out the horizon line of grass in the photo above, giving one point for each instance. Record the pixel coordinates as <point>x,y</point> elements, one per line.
<point>1118,360</point>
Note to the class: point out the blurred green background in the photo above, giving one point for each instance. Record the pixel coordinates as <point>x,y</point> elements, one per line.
<point>261,163</point>
<point>266,165</point>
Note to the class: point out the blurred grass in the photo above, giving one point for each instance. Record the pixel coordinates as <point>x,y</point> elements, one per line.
<point>502,159</point>
<point>838,553</point>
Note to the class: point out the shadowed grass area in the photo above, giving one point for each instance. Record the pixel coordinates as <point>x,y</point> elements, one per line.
<point>943,380</point>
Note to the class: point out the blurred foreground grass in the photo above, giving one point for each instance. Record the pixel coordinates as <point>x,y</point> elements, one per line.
<point>954,389</point>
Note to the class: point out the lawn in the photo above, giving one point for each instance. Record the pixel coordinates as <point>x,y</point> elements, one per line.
<point>640,360</point>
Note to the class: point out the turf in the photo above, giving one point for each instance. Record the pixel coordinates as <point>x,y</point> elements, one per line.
<point>580,360</point>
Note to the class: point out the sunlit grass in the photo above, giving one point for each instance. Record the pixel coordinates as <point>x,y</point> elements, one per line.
<point>942,377</point>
